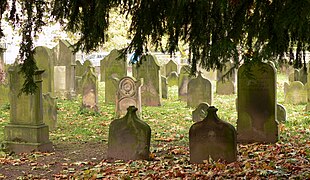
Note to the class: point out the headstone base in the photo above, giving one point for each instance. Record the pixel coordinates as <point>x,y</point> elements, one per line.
<point>27,138</point>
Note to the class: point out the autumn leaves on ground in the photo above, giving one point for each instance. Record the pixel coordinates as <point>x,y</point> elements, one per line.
<point>80,144</point>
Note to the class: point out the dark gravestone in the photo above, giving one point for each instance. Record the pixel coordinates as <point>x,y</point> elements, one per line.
<point>212,138</point>
<point>257,103</point>
<point>129,137</point>
<point>281,113</point>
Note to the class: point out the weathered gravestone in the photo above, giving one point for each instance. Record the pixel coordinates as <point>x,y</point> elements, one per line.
<point>184,78</point>
<point>170,67</point>
<point>149,71</point>
<point>200,112</point>
<point>281,113</point>
<point>226,79</point>
<point>295,93</point>
<point>128,94</point>
<point>173,79</point>
<point>26,131</point>
<point>225,87</point>
<point>79,68</point>
<point>44,58</point>
<point>90,90</point>
<point>257,103</point>
<point>129,137</point>
<point>50,111</point>
<point>199,90</point>
<point>64,70</point>
<point>212,138</point>
<point>115,66</point>
<point>164,87</point>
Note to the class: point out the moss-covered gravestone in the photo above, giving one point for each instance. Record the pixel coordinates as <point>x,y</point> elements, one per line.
<point>50,111</point>
<point>199,90</point>
<point>170,67</point>
<point>90,90</point>
<point>149,71</point>
<point>26,131</point>
<point>114,66</point>
<point>257,103</point>
<point>173,79</point>
<point>164,87</point>
<point>212,138</point>
<point>295,93</point>
<point>184,78</point>
<point>44,58</point>
<point>128,94</point>
<point>64,70</point>
<point>129,137</point>
<point>200,112</point>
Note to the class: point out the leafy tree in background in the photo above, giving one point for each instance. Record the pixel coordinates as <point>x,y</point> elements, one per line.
<point>215,30</point>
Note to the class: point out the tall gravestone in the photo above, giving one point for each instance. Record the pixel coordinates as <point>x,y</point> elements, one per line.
<point>164,87</point>
<point>128,94</point>
<point>64,70</point>
<point>50,111</point>
<point>170,67</point>
<point>89,86</point>
<point>44,58</point>
<point>129,137</point>
<point>115,66</point>
<point>212,138</point>
<point>26,131</point>
<point>199,90</point>
<point>257,103</point>
<point>184,78</point>
<point>149,71</point>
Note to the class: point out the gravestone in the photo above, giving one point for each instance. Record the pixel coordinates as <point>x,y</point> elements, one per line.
<point>79,69</point>
<point>173,79</point>
<point>225,87</point>
<point>26,131</point>
<point>184,78</point>
<point>257,103</point>
<point>300,75</point>
<point>212,138</point>
<point>295,93</point>
<point>226,79</point>
<point>44,58</point>
<point>199,90</point>
<point>170,67</point>
<point>281,113</point>
<point>89,90</point>
<point>151,90</point>
<point>50,111</point>
<point>200,112</point>
<point>115,66</point>
<point>64,70</point>
<point>164,87</point>
<point>129,137</point>
<point>128,94</point>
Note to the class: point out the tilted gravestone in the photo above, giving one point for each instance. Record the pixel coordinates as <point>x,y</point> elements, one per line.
<point>199,90</point>
<point>128,94</point>
<point>295,93</point>
<point>50,111</point>
<point>212,138</point>
<point>170,67</point>
<point>281,113</point>
<point>173,79</point>
<point>257,103</point>
<point>64,70</point>
<point>115,66</point>
<point>129,137</point>
<point>200,112</point>
<point>149,71</point>
<point>26,131</point>
<point>89,90</point>
<point>164,87</point>
<point>184,78</point>
<point>44,58</point>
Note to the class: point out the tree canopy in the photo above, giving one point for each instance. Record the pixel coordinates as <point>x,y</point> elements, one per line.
<point>216,30</point>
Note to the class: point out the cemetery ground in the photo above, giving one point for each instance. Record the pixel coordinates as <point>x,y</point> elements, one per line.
<point>80,144</point>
